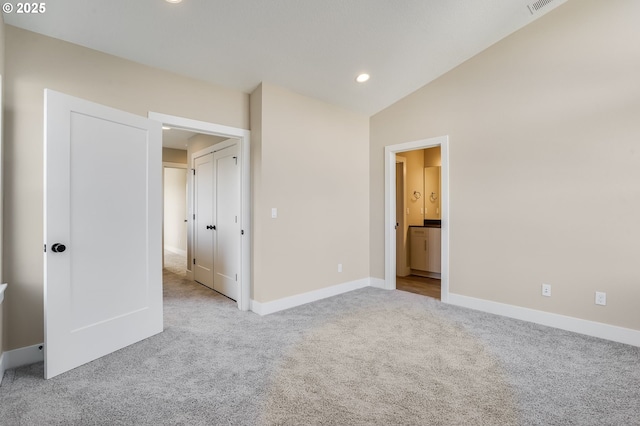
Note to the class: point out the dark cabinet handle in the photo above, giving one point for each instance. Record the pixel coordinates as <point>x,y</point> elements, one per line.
<point>58,248</point>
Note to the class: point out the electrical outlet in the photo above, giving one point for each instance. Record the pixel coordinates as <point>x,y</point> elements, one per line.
<point>601,298</point>
<point>546,290</point>
<point>339,267</point>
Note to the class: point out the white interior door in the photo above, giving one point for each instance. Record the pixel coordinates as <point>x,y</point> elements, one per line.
<point>203,222</point>
<point>102,231</point>
<point>226,250</point>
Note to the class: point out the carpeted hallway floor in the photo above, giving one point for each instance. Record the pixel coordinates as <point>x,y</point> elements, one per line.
<point>364,358</point>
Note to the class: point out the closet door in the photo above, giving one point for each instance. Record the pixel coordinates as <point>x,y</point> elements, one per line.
<point>203,222</point>
<point>226,242</point>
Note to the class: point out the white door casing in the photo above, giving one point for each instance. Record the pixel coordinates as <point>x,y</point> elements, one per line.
<point>389,209</point>
<point>226,198</point>
<point>103,201</point>
<point>204,220</point>
<point>242,138</point>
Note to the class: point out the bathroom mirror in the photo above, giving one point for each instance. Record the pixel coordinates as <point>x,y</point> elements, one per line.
<point>431,193</point>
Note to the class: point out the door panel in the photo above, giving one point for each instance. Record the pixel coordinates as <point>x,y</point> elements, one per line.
<point>102,193</point>
<point>203,235</point>
<point>227,214</point>
<point>103,183</point>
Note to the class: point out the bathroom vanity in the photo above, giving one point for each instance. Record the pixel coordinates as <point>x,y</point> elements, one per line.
<point>425,247</point>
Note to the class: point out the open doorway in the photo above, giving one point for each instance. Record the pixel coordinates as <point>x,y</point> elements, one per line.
<point>425,214</point>
<point>201,137</point>
<point>418,221</point>
<point>175,199</point>
<point>175,217</point>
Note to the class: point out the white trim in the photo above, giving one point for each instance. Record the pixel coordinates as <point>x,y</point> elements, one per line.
<point>189,274</point>
<point>404,270</point>
<point>377,283</point>
<point>304,298</point>
<point>2,369</point>
<point>170,165</point>
<point>563,322</point>
<point>23,356</point>
<point>245,197</point>
<point>2,289</point>
<point>390,208</point>
<point>174,165</point>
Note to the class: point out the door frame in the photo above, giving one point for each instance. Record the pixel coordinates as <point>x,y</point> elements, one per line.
<point>244,140</point>
<point>170,165</point>
<point>402,221</point>
<point>390,208</point>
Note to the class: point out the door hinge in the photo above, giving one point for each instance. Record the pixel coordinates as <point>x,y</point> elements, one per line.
<point>45,248</point>
<point>194,216</point>
<point>236,219</point>
<point>236,158</point>
<point>236,277</point>
<point>194,171</point>
<point>194,260</point>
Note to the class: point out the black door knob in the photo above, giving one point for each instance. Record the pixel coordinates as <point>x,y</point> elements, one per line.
<point>211,227</point>
<point>58,248</point>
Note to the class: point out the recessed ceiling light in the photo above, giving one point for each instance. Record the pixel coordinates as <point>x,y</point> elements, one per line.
<point>362,78</point>
<point>166,128</point>
<point>174,1</point>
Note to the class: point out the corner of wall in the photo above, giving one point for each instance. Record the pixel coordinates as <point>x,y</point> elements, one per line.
<point>255,124</point>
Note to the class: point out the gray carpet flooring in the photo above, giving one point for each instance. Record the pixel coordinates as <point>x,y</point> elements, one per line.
<point>368,357</point>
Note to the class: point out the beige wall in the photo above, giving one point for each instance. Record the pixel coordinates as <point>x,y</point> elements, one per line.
<point>1,328</point>
<point>548,114</point>
<point>171,155</point>
<point>175,209</point>
<point>314,169</point>
<point>2,42</point>
<point>34,62</point>
<point>2,38</point>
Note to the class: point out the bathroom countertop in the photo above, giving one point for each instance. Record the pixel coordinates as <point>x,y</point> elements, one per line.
<point>429,223</point>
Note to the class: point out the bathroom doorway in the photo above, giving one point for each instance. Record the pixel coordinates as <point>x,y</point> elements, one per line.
<point>418,236</point>
<point>423,240</point>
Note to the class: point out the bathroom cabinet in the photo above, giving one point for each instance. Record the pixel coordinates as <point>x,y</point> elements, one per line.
<point>425,249</point>
<point>419,248</point>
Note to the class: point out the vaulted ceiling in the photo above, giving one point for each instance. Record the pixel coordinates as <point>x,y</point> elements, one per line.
<point>314,47</point>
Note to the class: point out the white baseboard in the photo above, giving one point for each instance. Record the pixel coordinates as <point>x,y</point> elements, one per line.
<point>189,274</point>
<point>304,298</point>
<point>576,325</point>
<point>1,367</point>
<point>176,250</point>
<point>23,356</point>
<point>378,283</point>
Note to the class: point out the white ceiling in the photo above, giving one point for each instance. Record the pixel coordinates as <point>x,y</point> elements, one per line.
<point>314,47</point>
<point>176,138</point>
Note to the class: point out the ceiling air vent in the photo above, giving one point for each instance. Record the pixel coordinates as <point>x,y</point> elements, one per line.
<point>537,5</point>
